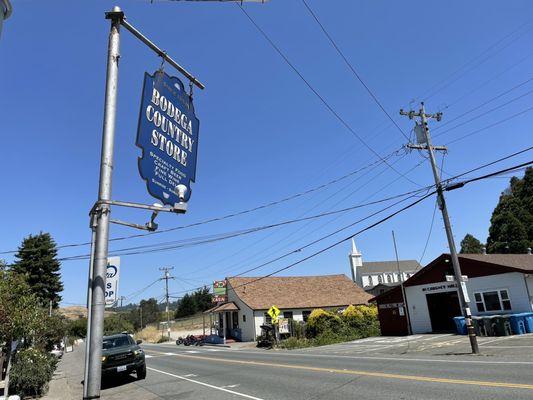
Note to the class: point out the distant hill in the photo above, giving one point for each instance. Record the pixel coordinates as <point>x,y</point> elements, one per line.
<point>77,312</point>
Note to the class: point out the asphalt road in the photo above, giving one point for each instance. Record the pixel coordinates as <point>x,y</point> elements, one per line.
<point>360,370</point>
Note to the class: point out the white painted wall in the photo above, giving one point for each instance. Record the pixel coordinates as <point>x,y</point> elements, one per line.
<point>247,327</point>
<point>513,282</point>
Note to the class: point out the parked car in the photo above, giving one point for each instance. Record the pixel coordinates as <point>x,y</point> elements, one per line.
<point>122,354</point>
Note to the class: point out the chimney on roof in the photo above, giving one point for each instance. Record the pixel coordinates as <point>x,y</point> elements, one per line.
<point>529,250</point>
<point>484,250</point>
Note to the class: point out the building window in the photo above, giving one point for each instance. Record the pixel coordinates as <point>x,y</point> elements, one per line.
<point>370,282</point>
<point>380,279</point>
<point>389,278</point>
<point>494,300</point>
<point>287,314</point>
<point>268,320</point>
<point>244,318</point>
<point>305,315</point>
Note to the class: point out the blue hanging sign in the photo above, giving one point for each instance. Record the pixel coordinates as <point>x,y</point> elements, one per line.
<point>168,136</point>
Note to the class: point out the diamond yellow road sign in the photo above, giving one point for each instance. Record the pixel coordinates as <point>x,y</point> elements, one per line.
<point>274,313</point>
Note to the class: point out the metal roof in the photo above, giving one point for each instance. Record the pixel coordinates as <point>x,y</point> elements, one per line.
<point>376,267</point>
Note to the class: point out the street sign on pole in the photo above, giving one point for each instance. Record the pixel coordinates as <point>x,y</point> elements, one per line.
<point>274,313</point>
<point>168,136</point>
<point>112,279</point>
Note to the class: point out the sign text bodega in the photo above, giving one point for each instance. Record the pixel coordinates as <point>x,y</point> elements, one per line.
<point>168,136</point>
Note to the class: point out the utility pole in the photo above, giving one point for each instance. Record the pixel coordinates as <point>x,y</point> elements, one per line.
<point>102,212</point>
<point>141,312</point>
<point>406,306</point>
<point>424,143</point>
<point>166,277</point>
<point>121,298</point>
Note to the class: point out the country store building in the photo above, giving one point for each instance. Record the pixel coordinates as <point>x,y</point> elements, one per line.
<point>248,299</point>
<point>496,284</point>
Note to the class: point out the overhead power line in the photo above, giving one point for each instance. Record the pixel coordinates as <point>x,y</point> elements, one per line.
<point>457,74</point>
<point>484,113</point>
<point>448,187</point>
<point>186,242</point>
<point>396,152</point>
<point>490,125</point>
<point>483,104</point>
<point>318,95</point>
<point>352,68</point>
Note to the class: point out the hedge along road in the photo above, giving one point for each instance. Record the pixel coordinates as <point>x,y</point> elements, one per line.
<point>288,375</point>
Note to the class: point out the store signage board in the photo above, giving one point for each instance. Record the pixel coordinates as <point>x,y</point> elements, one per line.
<point>168,136</point>
<point>112,280</point>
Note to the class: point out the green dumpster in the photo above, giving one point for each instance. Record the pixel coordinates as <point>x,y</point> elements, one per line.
<point>488,324</point>
<point>479,326</point>
<point>502,325</point>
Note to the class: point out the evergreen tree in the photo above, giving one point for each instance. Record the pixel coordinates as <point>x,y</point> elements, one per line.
<point>186,306</point>
<point>511,229</point>
<point>36,259</point>
<point>470,245</point>
<point>203,300</point>
<point>150,311</point>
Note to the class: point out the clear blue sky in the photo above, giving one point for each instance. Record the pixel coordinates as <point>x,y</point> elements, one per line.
<point>263,134</point>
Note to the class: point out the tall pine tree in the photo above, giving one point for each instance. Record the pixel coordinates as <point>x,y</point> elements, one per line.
<point>511,228</point>
<point>36,259</point>
<point>471,245</point>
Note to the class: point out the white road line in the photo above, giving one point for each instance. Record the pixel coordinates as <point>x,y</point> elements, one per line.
<point>495,340</point>
<point>169,354</point>
<point>147,356</point>
<point>191,351</point>
<point>247,396</point>
<point>190,375</point>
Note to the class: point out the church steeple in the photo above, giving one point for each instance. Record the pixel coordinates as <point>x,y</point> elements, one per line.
<point>356,262</point>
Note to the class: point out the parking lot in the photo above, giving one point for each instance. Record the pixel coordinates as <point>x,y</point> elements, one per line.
<point>517,347</point>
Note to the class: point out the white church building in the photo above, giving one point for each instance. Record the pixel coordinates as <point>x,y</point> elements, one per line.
<point>376,277</point>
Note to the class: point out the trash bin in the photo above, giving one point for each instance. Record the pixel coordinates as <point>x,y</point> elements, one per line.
<point>518,323</point>
<point>460,325</point>
<point>488,323</point>
<point>479,326</point>
<point>528,317</point>
<point>501,325</point>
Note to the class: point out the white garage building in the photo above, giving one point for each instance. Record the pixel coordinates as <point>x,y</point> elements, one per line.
<point>497,284</point>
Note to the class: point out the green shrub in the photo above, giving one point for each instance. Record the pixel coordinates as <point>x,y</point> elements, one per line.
<point>116,324</point>
<point>325,327</point>
<point>31,371</point>
<point>321,321</point>
<point>77,329</point>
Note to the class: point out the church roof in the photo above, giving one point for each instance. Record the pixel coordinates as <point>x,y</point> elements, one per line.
<point>378,267</point>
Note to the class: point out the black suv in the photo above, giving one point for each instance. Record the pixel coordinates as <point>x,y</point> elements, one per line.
<point>122,354</point>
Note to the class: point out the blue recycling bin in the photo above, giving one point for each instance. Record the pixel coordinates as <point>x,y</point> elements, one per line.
<point>460,325</point>
<point>529,322</point>
<point>518,323</point>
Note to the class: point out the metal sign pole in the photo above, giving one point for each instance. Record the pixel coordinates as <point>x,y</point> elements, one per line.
<point>92,385</point>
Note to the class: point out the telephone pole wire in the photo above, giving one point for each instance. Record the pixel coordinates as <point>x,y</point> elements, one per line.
<point>166,277</point>
<point>424,143</point>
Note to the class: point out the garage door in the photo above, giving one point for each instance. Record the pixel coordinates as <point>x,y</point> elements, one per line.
<point>442,308</point>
